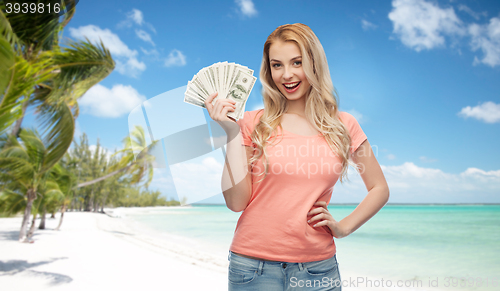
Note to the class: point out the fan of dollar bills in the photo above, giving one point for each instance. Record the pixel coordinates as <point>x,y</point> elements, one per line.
<point>230,80</point>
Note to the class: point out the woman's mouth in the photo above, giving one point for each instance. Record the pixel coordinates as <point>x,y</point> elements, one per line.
<point>291,87</point>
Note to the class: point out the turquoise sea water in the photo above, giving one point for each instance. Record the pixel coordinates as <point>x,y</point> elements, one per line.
<point>457,246</point>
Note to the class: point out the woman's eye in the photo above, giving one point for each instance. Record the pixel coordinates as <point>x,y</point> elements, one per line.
<point>275,65</point>
<point>298,63</point>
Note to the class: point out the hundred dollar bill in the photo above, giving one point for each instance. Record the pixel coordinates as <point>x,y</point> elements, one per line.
<point>229,80</point>
<point>239,92</point>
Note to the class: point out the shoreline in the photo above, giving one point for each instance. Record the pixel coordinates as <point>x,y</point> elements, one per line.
<point>103,252</point>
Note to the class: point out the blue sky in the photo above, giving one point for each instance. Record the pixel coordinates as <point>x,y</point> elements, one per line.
<point>418,75</point>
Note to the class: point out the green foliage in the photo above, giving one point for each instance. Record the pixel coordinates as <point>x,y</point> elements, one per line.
<point>118,190</point>
<point>11,203</point>
<point>133,197</point>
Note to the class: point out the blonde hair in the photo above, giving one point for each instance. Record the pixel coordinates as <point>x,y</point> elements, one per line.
<point>321,98</point>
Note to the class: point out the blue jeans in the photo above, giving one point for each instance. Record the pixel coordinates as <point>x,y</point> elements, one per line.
<point>249,274</point>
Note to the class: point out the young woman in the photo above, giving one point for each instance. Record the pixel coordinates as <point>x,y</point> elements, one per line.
<point>282,163</point>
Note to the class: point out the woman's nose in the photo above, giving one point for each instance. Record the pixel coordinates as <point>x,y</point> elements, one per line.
<point>288,74</point>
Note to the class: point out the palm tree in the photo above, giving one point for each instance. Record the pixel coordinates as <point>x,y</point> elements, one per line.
<point>105,174</point>
<point>65,179</point>
<point>11,201</point>
<point>27,165</point>
<point>49,195</point>
<point>34,42</point>
<point>90,165</point>
<point>137,165</point>
<point>43,73</point>
<point>36,71</point>
<point>53,197</point>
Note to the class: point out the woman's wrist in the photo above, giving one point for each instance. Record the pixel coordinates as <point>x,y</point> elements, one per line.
<point>231,128</point>
<point>340,230</point>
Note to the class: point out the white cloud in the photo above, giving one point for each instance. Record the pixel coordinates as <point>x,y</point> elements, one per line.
<point>132,67</point>
<point>486,38</point>
<point>136,16</point>
<point>199,178</point>
<point>152,52</point>
<point>246,7</point>
<point>144,36</point>
<point>391,157</point>
<point>409,183</point>
<point>423,25</point>
<point>472,13</point>
<point>367,25</point>
<point>115,102</point>
<point>481,175</point>
<point>488,112</point>
<point>175,58</point>
<point>126,59</point>
<point>426,159</point>
<point>110,40</point>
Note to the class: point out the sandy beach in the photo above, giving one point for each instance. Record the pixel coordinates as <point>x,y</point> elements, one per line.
<point>95,251</point>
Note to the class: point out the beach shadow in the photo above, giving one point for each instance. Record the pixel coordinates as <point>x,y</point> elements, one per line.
<point>9,235</point>
<point>54,278</point>
<point>13,267</point>
<point>14,234</point>
<point>119,232</point>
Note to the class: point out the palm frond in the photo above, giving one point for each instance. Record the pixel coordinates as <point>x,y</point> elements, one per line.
<point>7,62</point>
<point>11,202</point>
<point>6,31</point>
<point>17,170</point>
<point>82,65</point>
<point>69,6</point>
<point>37,31</point>
<point>34,146</point>
<point>57,120</point>
<point>26,76</point>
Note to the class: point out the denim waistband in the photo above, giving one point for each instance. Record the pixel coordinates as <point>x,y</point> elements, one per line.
<point>260,263</point>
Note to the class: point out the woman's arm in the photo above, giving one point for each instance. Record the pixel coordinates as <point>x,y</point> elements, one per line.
<point>236,176</point>
<point>378,191</point>
<point>236,180</point>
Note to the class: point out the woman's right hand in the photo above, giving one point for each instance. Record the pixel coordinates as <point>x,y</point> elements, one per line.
<point>218,112</point>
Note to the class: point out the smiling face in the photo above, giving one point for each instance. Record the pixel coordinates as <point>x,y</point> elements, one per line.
<point>286,70</point>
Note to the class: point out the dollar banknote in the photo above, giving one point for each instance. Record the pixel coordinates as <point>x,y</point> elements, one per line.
<point>230,80</point>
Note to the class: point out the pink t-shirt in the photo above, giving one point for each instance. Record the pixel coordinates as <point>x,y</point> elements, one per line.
<point>302,170</point>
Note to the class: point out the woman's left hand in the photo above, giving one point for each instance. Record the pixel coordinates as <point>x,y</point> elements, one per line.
<point>324,217</point>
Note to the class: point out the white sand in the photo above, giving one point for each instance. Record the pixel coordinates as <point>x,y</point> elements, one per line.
<point>96,252</point>
<point>99,252</point>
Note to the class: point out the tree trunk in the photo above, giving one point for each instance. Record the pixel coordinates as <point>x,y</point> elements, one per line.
<point>104,201</point>
<point>102,205</point>
<point>88,201</point>
<point>42,221</point>
<point>32,228</point>
<point>53,215</point>
<point>101,178</point>
<point>62,216</point>
<point>96,204</point>
<point>27,212</point>
<point>17,126</point>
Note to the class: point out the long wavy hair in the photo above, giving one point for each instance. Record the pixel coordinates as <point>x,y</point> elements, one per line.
<point>321,98</point>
